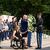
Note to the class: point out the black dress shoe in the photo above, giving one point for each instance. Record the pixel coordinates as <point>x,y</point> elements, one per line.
<point>0,47</point>
<point>13,45</point>
<point>10,45</point>
<point>38,48</point>
<point>29,46</point>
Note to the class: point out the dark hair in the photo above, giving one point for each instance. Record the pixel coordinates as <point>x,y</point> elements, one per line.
<point>13,17</point>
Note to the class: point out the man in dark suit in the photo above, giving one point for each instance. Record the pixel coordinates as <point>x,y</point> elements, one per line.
<point>39,25</point>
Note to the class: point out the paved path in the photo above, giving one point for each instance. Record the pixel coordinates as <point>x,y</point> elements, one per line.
<point>45,43</point>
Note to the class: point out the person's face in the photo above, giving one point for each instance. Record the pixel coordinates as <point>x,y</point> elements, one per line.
<point>39,15</point>
<point>25,17</point>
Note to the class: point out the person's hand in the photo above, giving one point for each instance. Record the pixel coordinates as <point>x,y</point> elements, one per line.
<point>21,34</point>
<point>17,38</point>
<point>0,31</point>
<point>24,32</point>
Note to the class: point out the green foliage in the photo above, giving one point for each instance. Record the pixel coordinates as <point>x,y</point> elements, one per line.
<point>35,2</point>
<point>6,13</point>
<point>41,5</point>
<point>20,7</point>
<point>16,7</point>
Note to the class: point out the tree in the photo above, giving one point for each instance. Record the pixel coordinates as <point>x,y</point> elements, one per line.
<point>20,7</point>
<point>1,7</point>
<point>41,5</point>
